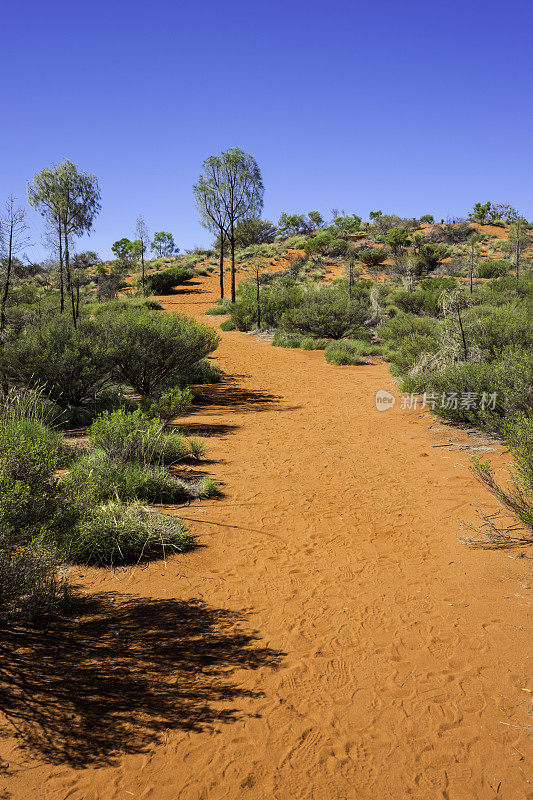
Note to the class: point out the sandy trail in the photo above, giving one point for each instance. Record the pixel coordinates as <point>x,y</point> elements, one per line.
<point>332,638</point>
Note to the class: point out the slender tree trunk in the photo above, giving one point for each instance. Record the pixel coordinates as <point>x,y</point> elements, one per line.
<point>222,237</point>
<point>462,334</point>
<point>8,278</point>
<point>232,244</point>
<point>61,287</point>
<point>70,288</point>
<point>471,269</point>
<point>142,265</point>
<point>517,248</point>
<point>258,298</point>
<point>77,299</point>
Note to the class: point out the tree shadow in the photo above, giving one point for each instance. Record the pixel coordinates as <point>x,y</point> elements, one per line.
<point>114,678</point>
<point>206,429</point>
<point>228,395</point>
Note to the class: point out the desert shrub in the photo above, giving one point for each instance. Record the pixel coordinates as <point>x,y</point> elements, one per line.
<point>32,583</point>
<point>31,503</point>
<point>426,218</point>
<point>406,337</point>
<point>95,478</point>
<point>216,311</point>
<point>411,302</point>
<point>403,325</point>
<point>169,404</point>
<point>282,339</point>
<point>163,282</point>
<point>346,352</point>
<point>151,351</point>
<point>492,269</point>
<point>312,343</point>
<point>228,325</point>
<point>136,436</point>
<point>296,242</point>
<point>517,495</point>
<point>319,243</point>
<point>450,233</point>
<point>493,329</point>
<point>202,372</point>
<point>438,284</point>
<point>71,366</point>
<point>328,313</point>
<point>373,256</point>
<point>117,533</point>
<point>275,298</point>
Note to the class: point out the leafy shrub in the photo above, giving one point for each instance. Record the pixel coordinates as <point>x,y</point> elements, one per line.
<point>228,325</point>
<point>327,313</point>
<point>275,298</point>
<point>123,534</point>
<point>282,339</point>
<point>32,583</point>
<point>151,352</point>
<point>217,311</point>
<point>311,343</point>
<point>373,256</point>
<point>72,366</point>
<point>168,405</point>
<point>492,269</point>
<point>202,372</point>
<point>349,352</point>
<point>163,282</point>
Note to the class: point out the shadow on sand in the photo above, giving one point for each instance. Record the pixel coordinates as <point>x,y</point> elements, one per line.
<point>113,679</point>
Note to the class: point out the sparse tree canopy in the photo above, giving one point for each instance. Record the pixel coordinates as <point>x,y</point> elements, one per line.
<point>163,244</point>
<point>480,212</point>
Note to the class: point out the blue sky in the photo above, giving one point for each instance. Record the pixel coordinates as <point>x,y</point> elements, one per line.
<point>413,107</point>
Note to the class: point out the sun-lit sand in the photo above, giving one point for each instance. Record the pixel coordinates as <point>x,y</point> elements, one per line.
<point>331,638</point>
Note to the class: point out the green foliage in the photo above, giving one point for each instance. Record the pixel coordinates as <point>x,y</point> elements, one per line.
<point>117,533</point>
<point>328,313</point>
<point>344,225</point>
<point>275,298</point>
<point>202,372</point>
<point>135,436</point>
<point>373,256</point>
<point>427,219</point>
<point>292,340</point>
<point>430,256</point>
<point>163,282</point>
<point>492,269</point>
<point>32,585</point>
<point>480,212</point>
<point>163,244</point>
<point>151,352</point>
<point>319,243</point>
<point>71,365</point>
<point>397,239</point>
<point>169,404</point>
<point>345,352</point>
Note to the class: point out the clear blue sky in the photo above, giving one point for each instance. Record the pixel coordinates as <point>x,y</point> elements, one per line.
<point>411,107</point>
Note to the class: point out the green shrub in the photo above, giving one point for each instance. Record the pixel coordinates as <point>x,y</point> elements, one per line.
<point>228,325</point>
<point>71,366</point>
<point>202,372</point>
<point>136,436</point>
<point>282,339</point>
<point>217,311</point>
<point>348,352</point>
<point>373,256</point>
<point>492,269</point>
<point>163,282</point>
<point>328,313</point>
<point>168,405</point>
<point>310,343</point>
<point>32,583</point>
<point>123,534</point>
<point>151,352</point>
<point>95,478</point>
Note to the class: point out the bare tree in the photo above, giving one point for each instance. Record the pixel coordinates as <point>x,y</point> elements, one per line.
<point>13,240</point>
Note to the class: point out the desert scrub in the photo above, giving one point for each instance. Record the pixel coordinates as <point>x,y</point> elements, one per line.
<point>95,478</point>
<point>136,436</point>
<point>163,282</point>
<point>346,352</point>
<point>32,581</point>
<point>202,372</point>
<point>217,311</point>
<point>517,495</point>
<point>168,405</point>
<point>118,533</point>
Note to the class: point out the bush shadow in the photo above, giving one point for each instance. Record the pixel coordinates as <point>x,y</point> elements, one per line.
<point>115,677</point>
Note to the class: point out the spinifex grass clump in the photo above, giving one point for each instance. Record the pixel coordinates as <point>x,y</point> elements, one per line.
<point>117,533</point>
<point>344,352</point>
<point>135,436</point>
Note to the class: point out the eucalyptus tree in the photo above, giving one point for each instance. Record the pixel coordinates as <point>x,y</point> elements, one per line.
<point>235,178</point>
<point>13,239</point>
<point>143,236</point>
<point>211,207</point>
<point>163,244</point>
<point>69,200</point>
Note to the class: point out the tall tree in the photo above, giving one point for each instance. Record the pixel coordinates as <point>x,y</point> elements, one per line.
<point>237,180</point>
<point>211,207</point>
<point>70,200</point>
<point>13,239</point>
<point>163,244</point>
<point>143,236</point>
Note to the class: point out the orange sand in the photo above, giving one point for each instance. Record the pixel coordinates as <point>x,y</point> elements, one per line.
<point>330,639</point>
